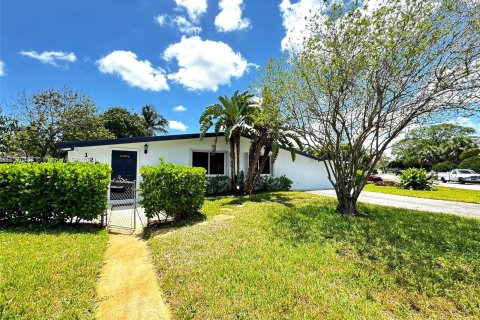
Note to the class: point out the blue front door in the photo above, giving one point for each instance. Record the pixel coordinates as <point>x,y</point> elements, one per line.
<point>124,165</point>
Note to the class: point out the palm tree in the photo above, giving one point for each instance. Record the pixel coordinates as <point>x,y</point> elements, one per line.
<point>234,116</point>
<point>154,121</point>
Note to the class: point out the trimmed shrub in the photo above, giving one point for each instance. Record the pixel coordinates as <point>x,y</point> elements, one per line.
<point>444,166</point>
<point>179,191</point>
<point>471,163</point>
<point>268,183</point>
<point>469,153</point>
<point>53,192</point>
<point>386,183</point>
<point>416,179</point>
<point>218,185</point>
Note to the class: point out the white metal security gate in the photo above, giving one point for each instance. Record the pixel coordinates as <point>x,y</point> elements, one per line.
<point>123,210</point>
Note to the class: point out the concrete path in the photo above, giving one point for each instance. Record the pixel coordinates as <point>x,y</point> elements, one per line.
<point>128,287</point>
<point>458,208</point>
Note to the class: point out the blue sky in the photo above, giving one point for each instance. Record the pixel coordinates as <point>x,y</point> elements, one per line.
<point>168,53</point>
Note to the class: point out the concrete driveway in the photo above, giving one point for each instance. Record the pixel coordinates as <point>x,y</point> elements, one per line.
<point>457,208</point>
<point>468,186</point>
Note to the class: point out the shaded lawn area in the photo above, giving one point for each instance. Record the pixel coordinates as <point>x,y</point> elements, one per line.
<point>440,193</point>
<point>289,256</point>
<point>50,273</point>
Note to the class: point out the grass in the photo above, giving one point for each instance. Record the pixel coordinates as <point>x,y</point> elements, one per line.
<point>50,274</point>
<point>289,256</point>
<point>440,193</point>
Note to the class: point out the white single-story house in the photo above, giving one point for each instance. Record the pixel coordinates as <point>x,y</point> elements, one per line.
<point>128,155</point>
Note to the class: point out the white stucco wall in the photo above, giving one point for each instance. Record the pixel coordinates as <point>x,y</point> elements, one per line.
<point>306,173</point>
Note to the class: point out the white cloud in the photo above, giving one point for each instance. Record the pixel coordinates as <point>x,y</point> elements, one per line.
<point>204,65</point>
<point>177,125</point>
<point>179,109</point>
<point>2,69</point>
<point>468,122</point>
<point>296,18</point>
<point>230,16</point>
<point>51,57</point>
<point>161,19</point>
<point>135,72</point>
<point>195,8</point>
<point>185,26</point>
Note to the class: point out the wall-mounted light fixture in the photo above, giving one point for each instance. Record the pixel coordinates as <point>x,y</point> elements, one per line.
<point>145,148</point>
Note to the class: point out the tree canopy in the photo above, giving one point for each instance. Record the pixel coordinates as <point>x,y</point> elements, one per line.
<point>367,73</point>
<point>124,124</point>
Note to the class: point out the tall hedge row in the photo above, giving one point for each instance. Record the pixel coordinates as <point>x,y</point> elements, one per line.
<point>175,190</point>
<point>53,192</point>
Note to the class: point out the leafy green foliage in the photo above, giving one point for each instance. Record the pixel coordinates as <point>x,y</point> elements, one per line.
<point>153,120</point>
<point>7,128</point>
<point>269,183</point>
<point>472,163</point>
<point>218,185</point>
<point>416,179</point>
<point>123,124</point>
<point>177,190</point>
<point>50,273</point>
<point>444,166</point>
<point>49,116</point>
<point>53,192</point>
<point>233,115</point>
<point>428,146</point>
<point>469,153</point>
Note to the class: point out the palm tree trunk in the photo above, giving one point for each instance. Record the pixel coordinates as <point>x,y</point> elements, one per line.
<point>233,180</point>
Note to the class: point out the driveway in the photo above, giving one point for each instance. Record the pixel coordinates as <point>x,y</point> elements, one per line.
<point>457,208</point>
<point>468,186</point>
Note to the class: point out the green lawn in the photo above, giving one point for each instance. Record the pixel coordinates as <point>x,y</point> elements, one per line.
<point>289,256</point>
<point>440,193</point>
<point>47,274</point>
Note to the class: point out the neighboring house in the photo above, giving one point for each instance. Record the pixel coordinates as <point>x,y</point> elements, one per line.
<point>127,156</point>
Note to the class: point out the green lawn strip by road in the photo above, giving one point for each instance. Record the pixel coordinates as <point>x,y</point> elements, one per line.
<point>50,274</point>
<point>440,193</point>
<point>289,256</point>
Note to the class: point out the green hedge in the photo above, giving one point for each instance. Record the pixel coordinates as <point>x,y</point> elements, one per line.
<point>444,166</point>
<point>268,183</point>
<point>53,192</point>
<point>178,191</point>
<point>469,153</point>
<point>472,163</point>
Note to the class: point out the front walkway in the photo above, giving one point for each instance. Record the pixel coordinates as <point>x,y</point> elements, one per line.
<point>457,208</point>
<point>128,287</point>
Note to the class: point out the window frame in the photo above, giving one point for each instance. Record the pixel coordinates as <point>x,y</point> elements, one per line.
<point>209,152</point>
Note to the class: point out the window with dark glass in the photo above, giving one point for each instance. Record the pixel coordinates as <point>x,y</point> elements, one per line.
<point>214,163</point>
<point>200,159</point>
<point>217,163</point>
<point>266,169</point>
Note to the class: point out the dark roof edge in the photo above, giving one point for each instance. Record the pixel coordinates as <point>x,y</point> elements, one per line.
<point>94,143</point>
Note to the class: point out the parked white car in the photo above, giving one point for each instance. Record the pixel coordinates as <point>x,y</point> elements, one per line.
<point>459,175</point>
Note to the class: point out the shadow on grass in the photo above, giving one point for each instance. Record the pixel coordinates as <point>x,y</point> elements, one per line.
<point>80,228</point>
<point>163,227</point>
<point>436,254</point>
<point>277,197</point>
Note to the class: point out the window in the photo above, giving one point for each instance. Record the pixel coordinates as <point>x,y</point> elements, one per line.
<point>266,169</point>
<point>214,163</point>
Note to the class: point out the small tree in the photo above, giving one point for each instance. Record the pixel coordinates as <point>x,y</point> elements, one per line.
<point>234,116</point>
<point>124,124</point>
<point>367,74</point>
<point>154,121</point>
<point>49,116</point>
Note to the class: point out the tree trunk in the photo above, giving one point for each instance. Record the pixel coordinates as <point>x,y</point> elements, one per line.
<point>346,203</point>
<point>233,178</point>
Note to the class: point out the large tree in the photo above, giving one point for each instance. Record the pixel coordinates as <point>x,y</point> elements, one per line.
<point>153,120</point>
<point>49,116</point>
<point>124,124</point>
<point>7,128</point>
<point>233,115</point>
<point>365,74</point>
<point>427,146</point>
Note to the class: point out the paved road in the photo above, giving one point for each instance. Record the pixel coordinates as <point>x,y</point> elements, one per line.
<point>458,208</point>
